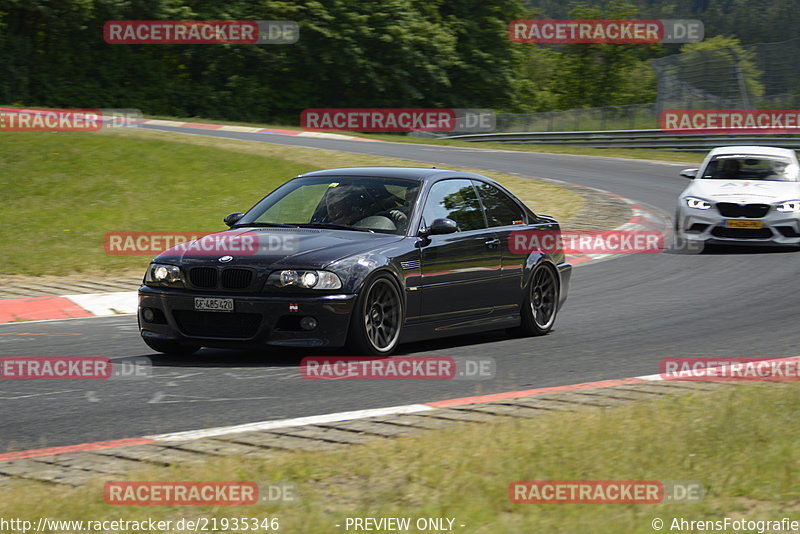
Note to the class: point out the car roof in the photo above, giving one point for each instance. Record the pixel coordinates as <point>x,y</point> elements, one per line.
<point>753,150</point>
<point>414,173</point>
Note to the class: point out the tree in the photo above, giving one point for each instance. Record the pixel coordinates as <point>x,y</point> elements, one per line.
<point>722,67</point>
<point>593,75</point>
<point>351,53</point>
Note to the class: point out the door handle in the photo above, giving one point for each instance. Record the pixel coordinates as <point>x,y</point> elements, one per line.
<point>492,243</point>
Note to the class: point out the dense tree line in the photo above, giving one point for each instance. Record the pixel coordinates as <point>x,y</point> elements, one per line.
<point>751,22</point>
<point>392,53</point>
<point>351,53</point>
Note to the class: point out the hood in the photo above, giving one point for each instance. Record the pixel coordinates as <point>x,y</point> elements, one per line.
<point>744,191</point>
<point>276,247</point>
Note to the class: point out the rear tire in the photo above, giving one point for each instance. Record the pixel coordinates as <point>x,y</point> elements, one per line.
<point>170,347</point>
<point>540,306</point>
<point>377,318</point>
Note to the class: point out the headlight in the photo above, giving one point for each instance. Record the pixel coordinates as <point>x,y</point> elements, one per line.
<point>162,274</point>
<point>790,206</point>
<point>697,203</point>
<point>305,279</point>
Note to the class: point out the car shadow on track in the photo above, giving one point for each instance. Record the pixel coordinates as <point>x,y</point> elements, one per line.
<point>292,357</point>
<point>716,249</point>
<point>744,249</point>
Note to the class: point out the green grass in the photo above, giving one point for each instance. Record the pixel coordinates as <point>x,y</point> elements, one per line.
<point>562,123</point>
<point>225,122</point>
<point>741,444</point>
<point>64,191</point>
<point>627,153</point>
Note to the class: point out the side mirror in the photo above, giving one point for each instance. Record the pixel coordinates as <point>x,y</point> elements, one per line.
<point>689,173</point>
<point>442,226</point>
<point>233,218</point>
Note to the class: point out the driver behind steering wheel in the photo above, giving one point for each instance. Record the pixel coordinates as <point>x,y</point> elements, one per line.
<point>348,205</point>
<point>399,214</point>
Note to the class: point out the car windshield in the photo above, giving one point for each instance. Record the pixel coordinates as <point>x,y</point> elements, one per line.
<point>358,203</point>
<point>751,167</point>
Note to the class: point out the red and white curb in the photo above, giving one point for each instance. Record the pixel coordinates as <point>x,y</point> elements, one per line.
<point>642,219</point>
<point>106,304</point>
<point>317,419</point>
<point>251,129</point>
<point>68,306</point>
<point>126,302</point>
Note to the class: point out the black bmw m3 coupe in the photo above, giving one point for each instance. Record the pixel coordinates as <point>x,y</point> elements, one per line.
<point>365,257</point>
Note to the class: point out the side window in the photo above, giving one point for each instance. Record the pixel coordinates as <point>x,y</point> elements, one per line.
<point>457,200</point>
<point>711,169</point>
<point>500,209</point>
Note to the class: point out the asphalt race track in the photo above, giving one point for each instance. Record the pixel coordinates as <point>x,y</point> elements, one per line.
<point>621,318</point>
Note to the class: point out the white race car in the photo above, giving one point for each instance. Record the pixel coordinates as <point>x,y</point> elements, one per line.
<point>742,195</point>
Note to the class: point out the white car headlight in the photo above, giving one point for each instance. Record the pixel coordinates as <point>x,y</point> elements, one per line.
<point>790,206</point>
<point>697,203</point>
<point>305,279</point>
<point>163,274</point>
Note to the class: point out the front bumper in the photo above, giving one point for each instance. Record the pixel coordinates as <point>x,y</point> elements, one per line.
<point>709,226</point>
<point>565,274</point>
<point>257,320</point>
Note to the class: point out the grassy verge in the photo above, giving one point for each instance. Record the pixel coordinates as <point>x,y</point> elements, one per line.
<point>227,123</point>
<point>627,153</point>
<point>740,443</point>
<point>63,192</point>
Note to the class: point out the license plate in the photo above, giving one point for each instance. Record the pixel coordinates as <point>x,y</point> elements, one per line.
<point>745,224</point>
<point>212,304</point>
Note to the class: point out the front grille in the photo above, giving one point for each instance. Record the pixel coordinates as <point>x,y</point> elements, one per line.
<point>742,233</point>
<point>211,278</point>
<point>217,324</point>
<point>203,277</point>
<point>751,211</point>
<point>236,278</point>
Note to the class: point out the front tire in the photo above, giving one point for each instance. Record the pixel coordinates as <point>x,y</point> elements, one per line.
<point>681,244</point>
<point>170,347</point>
<point>540,305</point>
<point>377,318</point>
